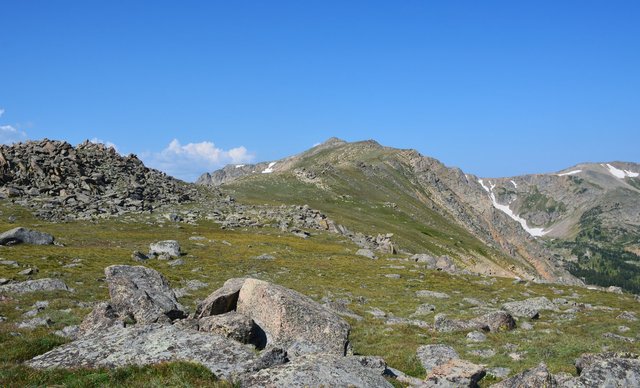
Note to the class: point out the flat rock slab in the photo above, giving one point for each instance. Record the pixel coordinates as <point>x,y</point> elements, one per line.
<point>319,370</point>
<point>455,373</point>
<point>431,356</point>
<point>25,236</point>
<point>46,284</point>
<point>293,321</point>
<point>529,308</point>
<point>150,344</point>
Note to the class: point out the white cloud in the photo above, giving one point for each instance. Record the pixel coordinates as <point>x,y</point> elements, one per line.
<point>10,135</point>
<point>189,161</point>
<point>107,143</point>
<point>1,112</point>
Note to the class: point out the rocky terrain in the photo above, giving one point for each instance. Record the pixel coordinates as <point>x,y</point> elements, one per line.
<point>351,264</point>
<point>62,182</point>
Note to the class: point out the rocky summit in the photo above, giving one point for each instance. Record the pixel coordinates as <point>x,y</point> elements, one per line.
<point>59,181</point>
<point>349,265</point>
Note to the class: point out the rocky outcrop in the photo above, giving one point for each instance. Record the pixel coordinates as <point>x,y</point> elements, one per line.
<point>60,182</point>
<point>25,236</point>
<point>607,370</point>
<point>293,321</point>
<point>250,332</point>
<point>37,285</point>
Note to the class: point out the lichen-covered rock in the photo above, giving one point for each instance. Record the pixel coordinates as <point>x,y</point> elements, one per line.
<point>496,321</point>
<point>235,326</point>
<point>222,300</point>
<point>533,378</point>
<point>293,321</point>
<point>142,294</point>
<point>170,248</point>
<point>150,344</point>
<point>607,370</point>
<point>45,284</point>
<point>529,308</point>
<point>25,236</point>
<point>455,373</point>
<point>319,370</point>
<point>431,356</point>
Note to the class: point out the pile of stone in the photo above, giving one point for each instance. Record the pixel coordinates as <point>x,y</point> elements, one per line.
<point>61,182</point>
<point>250,332</point>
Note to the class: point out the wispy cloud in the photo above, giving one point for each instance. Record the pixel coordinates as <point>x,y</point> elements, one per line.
<point>1,112</point>
<point>189,161</point>
<point>10,134</point>
<point>107,143</point>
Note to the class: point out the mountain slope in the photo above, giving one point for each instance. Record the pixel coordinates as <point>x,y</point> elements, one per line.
<point>427,206</point>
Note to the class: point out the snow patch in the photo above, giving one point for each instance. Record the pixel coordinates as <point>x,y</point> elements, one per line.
<point>269,169</point>
<point>621,173</point>
<point>570,173</point>
<point>514,184</point>
<point>535,232</point>
<point>239,165</point>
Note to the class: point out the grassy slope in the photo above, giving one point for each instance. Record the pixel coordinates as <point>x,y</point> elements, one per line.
<point>356,199</point>
<point>320,266</point>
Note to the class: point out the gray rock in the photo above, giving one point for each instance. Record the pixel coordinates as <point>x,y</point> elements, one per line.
<point>455,373</point>
<point>628,316</point>
<point>139,256</point>
<point>175,263</point>
<point>476,336</point>
<point>536,377</point>
<point>35,322</point>
<point>499,372</point>
<point>235,326</point>
<point>318,370</point>
<point>149,344</point>
<point>265,256</point>
<point>495,321</point>
<point>431,294</point>
<point>424,309</point>
<point>71,332</point>
<point>291,320</point>
<point>28,272</point>
<point>607,370</point>
<point>45,284</point>
<point>223,300</point>
<point>10,263</point>
<point>142,292</point>
<point>4,281</point>
<point>25,236</point>
<point>376,312</point>
<point>431,356</point>
<point>170,248</point>
<point>366,253</point>
<point>529,308</point>
<point>484,353</point>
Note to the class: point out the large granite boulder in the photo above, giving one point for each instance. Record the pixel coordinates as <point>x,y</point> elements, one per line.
<point>221,301</point>
<point>607,370</point>
<point>25,236</point>
<point>169,248</point>
<point>293,321</point>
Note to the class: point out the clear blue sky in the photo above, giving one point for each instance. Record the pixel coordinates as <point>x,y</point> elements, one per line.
<point>497,88</point>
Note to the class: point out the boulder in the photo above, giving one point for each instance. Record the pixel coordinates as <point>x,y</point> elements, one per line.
<point>150,344</point>
<point>293,321</point>
<point>529,308</point>
<point>536,377</point>
<point>222,300</point>
<point>25,236</point>
<point>496,321</point>
<point>320,370</point>
<point>45,284</point>
<point>169,248</point>
<point>607,370</point>
<point>455,373</point>
<point>366,253</point>
<point>142,293</point>
<point>235,326</point>
<point>431,356</point>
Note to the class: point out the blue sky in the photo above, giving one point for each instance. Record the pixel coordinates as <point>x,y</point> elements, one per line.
<point>496,88</point>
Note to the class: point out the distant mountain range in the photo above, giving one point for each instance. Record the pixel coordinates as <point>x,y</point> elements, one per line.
<point>581,222</point>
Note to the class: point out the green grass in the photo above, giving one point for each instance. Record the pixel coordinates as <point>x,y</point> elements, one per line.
<point>323,265</point>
